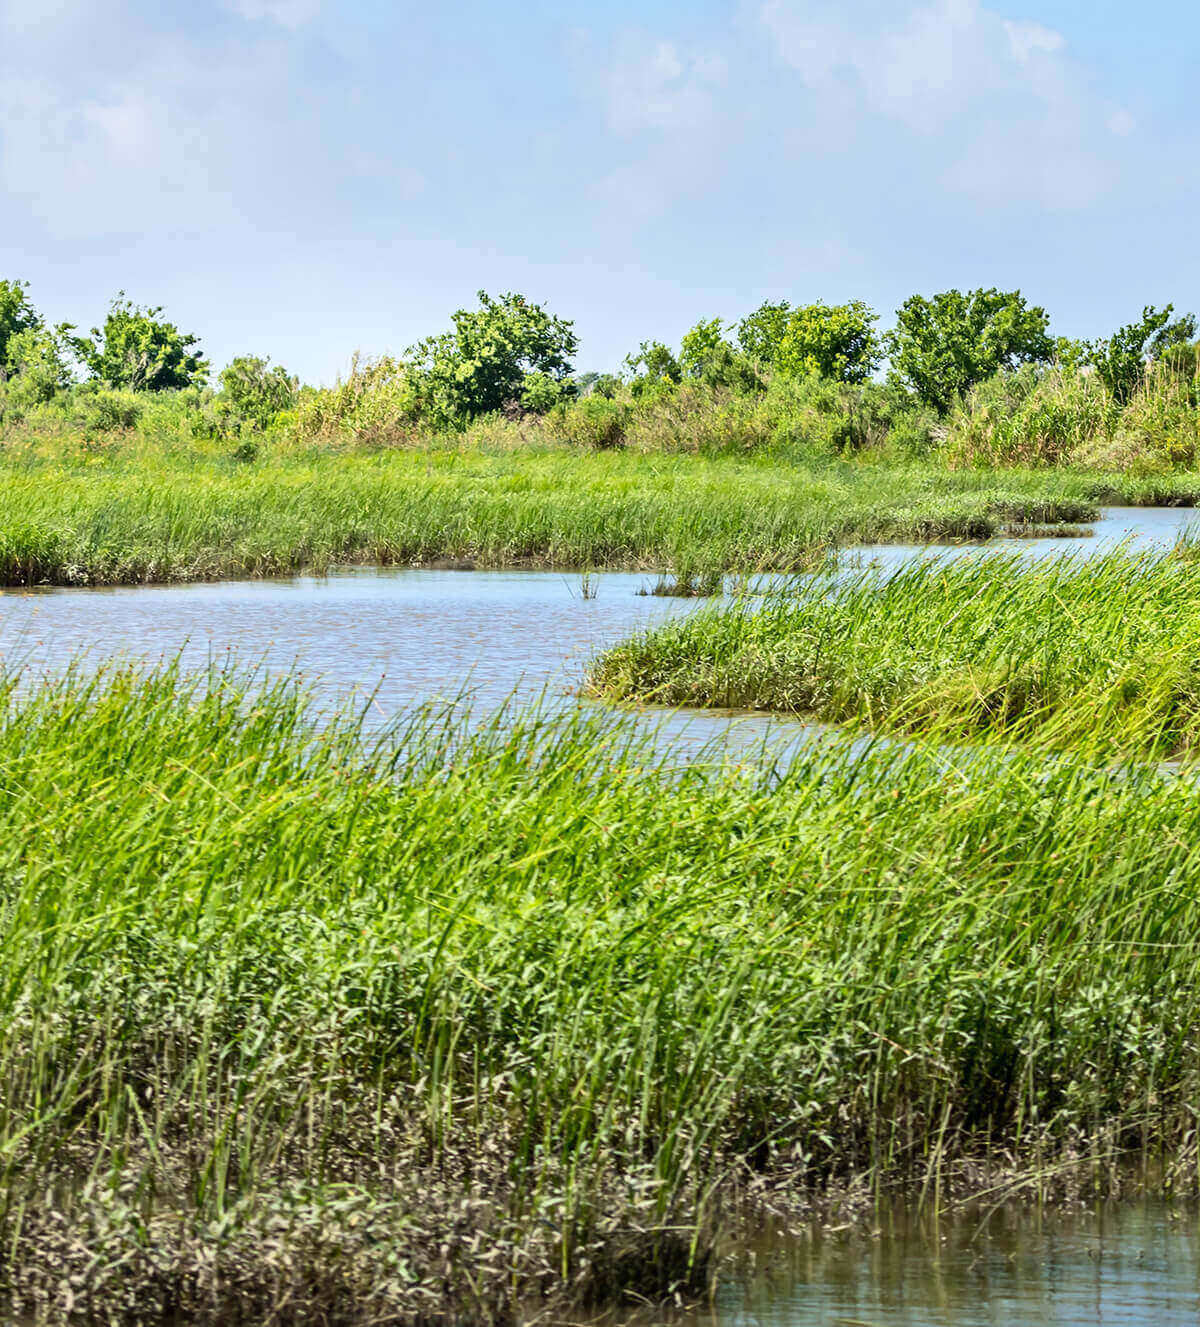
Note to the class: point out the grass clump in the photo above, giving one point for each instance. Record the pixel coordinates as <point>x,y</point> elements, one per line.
<point>296,1026</point>
<point>1097,654</point>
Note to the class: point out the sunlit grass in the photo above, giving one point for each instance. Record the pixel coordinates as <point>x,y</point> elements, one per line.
<point>287,1012</point>
<point>1100,654</point>
<point>155,517</point>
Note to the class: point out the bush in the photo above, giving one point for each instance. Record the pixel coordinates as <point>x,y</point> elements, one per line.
<point>256,393</point>
<point>1030,418</point>
<point>597,423</point>
<point>1121,359</point>
<point>941,347</point>
<point>653,367</point>
<point>36,372</point>
<point>760,332</point>
<point>540,392</point>
<point>836,342</point>
<point>695,417</point>
<point>378,403</point>
<point>108,412</point>
<point>482,365</point>
<point>139,351</point>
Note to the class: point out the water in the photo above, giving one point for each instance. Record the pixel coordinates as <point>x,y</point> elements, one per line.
<point>408,636</point>
<point>1136,1265</point>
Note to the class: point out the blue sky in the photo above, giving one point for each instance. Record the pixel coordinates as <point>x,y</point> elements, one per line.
<point>302,179</point>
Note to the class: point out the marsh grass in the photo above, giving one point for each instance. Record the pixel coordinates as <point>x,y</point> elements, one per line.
<point>160,516</point>
<point>302,1026</point>
<point>1096,654</point>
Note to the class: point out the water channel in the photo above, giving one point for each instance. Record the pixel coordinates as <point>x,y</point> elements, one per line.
<point>409,636</point>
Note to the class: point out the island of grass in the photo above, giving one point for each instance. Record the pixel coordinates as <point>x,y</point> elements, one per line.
<point>1096,653</point>
<point>469,1025</point>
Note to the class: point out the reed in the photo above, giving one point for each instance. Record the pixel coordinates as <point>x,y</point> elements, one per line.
<point>301,1025</point>
<point>1097,654</point>
<point>150,516</point>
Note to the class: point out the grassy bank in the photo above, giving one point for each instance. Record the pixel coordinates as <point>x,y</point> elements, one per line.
<point>295,1025</point>
<point>1097,654</point>
<point>150,515</point>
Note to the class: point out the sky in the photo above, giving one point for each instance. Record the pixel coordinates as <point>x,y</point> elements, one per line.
<point>303,179</point>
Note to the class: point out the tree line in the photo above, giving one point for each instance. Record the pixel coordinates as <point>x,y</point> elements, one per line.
<point>513,354</point>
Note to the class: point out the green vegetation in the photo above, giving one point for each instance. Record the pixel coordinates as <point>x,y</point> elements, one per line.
<point>138,350</point>
<point>301,1027</point>
<point>149,515</point>
<point>1099,655</point>
<point>942,347</point>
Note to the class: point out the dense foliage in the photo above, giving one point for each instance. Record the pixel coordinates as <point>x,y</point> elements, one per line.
<point>943,346</point>
<point>138,350</point>
<point>300,1027</point>
<point>507,352</point>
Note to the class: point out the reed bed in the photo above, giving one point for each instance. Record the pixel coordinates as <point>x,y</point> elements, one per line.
<point>463,1021</point>
<point>143,516</point>
<point>1098,654</point>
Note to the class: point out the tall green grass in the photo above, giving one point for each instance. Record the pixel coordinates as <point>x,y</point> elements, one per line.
<point>297,1026</point>
<point>155,516</point>
<point>1100,654</point>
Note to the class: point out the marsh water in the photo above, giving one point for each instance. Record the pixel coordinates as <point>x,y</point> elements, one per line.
<point>1136,1265</point>
<point>401,637</point>
<point>406,636</point>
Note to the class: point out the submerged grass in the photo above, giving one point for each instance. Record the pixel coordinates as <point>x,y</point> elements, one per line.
<point>297,1026</point>
<point>143,514</point>
<point>1099,654</point>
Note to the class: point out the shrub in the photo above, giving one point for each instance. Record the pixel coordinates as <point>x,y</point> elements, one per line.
<point>1030,418</point>
<point>595,422</point>
<point>836,341</point>
<point>110,411</point>
<point>695,417</point>
<point>941,347</point>
<point>760,332</point>
<point>1121,359</point>
<point>256,393</point>
<point>540,392</point>
<point>654,366</point>
<point>378,403</point>
<point>140,351</point>
<point>36,372</point>
<point>17,316</point>
<point>482,364</point>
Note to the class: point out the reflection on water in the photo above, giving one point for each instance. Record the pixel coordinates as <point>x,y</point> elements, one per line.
<point>409,636</point>
<point>1131,1264</point>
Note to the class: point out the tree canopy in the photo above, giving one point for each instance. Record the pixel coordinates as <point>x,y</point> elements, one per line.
<point>944,345</point>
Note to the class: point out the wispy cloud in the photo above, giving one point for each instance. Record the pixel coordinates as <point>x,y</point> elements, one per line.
<point>287,13</point>
<point>997,102</point>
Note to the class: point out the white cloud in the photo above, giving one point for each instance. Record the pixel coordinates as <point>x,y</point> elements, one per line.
<point>661,88</point>
<point>287,13</point>
<point>1030,39</point>
<point>998,101</point>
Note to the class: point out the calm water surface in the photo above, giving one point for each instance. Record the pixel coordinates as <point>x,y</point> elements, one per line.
<point>1132,1264</point>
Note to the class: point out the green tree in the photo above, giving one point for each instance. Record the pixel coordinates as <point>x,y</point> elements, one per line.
<point>701,346</point>
<point>1120,359</point>
<point>652,366</point>
<point>942,346</point>
<point>17,315</point>
<point>482,364</point>
<point>139,350</point>
<point>256,391</point>
<point>760,332</point>
<point>834,341</point>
